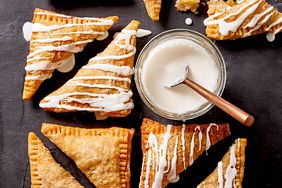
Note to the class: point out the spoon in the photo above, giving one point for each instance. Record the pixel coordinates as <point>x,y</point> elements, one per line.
<point>237,113</point>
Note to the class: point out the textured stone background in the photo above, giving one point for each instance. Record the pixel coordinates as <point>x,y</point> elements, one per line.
<point>254,82</point>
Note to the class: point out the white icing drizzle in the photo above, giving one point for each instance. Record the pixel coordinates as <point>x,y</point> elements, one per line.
<point>231,171</point>
<point>257,17</point>
<point>219,174</point>
<point>278,21</point>
<point>99,102</point>
<point>183,145</point>
<point>162,161</point>
<point>226,27</point>
<point>122,70</point>
<point>208,142</point>
<point>192,145</point>
<point>47,65</point>
<point>266,18</point>
<point>171,176</point>
<point>152,143</point>
<point>143,33</point>
<point>72,47</point>
<point>102,78</point>
<point>126,36</point>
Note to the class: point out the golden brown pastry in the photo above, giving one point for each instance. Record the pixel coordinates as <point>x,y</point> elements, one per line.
<point>54,38</point>
<point>153,8</point>
<point>169,150</point>
<point>103,155</point>
<point>103,85</point>
<point>185,5</point>
<point>230,170</point>
<point>241,19</point>
<point>44,170</point>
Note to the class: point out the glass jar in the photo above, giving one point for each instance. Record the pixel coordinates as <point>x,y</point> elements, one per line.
<point>199,39</point>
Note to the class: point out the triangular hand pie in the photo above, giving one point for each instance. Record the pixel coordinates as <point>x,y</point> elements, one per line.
<point>231,20</point>
<point>103,155</point>
<point>153,8</point>
<point>230,170</point>
<point>54,38</point>
<point>103,85</point>
<point>185,5</point>
<point>44,170</point>
<point>169,150</point>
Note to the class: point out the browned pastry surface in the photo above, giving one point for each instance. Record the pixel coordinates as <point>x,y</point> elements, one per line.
<point>232,11</point>
<point>213,179</point>
<point>44,170</point>
<point>55,19</point>
<point>184,156</point>
<point>111,50</point>
<point>103,155</point>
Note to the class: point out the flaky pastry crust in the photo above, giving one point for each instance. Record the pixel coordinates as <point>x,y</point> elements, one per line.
<point>182,138</point>
<point>44,170</point>
<point>102,154</point>
<point>213,179</point>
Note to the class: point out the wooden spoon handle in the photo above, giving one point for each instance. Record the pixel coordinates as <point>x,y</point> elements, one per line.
<point>237,113</point>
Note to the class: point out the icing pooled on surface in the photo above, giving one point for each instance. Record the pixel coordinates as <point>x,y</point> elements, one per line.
<point>188,21</point>
<point>143,33</point>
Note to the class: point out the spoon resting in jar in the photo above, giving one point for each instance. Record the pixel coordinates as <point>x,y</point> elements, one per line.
<point>237,113</point>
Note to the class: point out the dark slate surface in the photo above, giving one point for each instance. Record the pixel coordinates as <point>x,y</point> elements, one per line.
<point>254,71</point>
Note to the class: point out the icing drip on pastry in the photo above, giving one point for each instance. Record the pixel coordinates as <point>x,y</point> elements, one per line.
<point>100,102</point>
<point>103,36</point>
<point>162,161</point>
<point>208,142</point>
<point>183,144</point>
<point>231,169</point>
<point>152,144</point>
<point>192,145</point>
<point>172,177</point>
<point>220,176</point>
<point>224,26</point>
<point>271,36</point>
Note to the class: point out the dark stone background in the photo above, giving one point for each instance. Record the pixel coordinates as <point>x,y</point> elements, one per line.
<point>254,82</point>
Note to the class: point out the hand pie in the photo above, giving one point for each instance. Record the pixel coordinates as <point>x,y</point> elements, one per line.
<point>185,5</point>
<point>103,85</point>
<point>54,38</point>
<point>169,150</point>
<point>230,170</point>
<point>103,155</point>
<point>153,8</point>
<point>44,170</point>
<point>242,19</point>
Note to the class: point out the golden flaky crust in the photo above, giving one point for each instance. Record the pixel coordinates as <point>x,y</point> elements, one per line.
<point>48,18</point>
<point>213,181</point>
<point>153,8</point>
<point>185,5</point>
<point>44,170</point>
<point>183,157</point>
<point>102,154</point>
<point>263,25</point>
<point>111,50</point>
